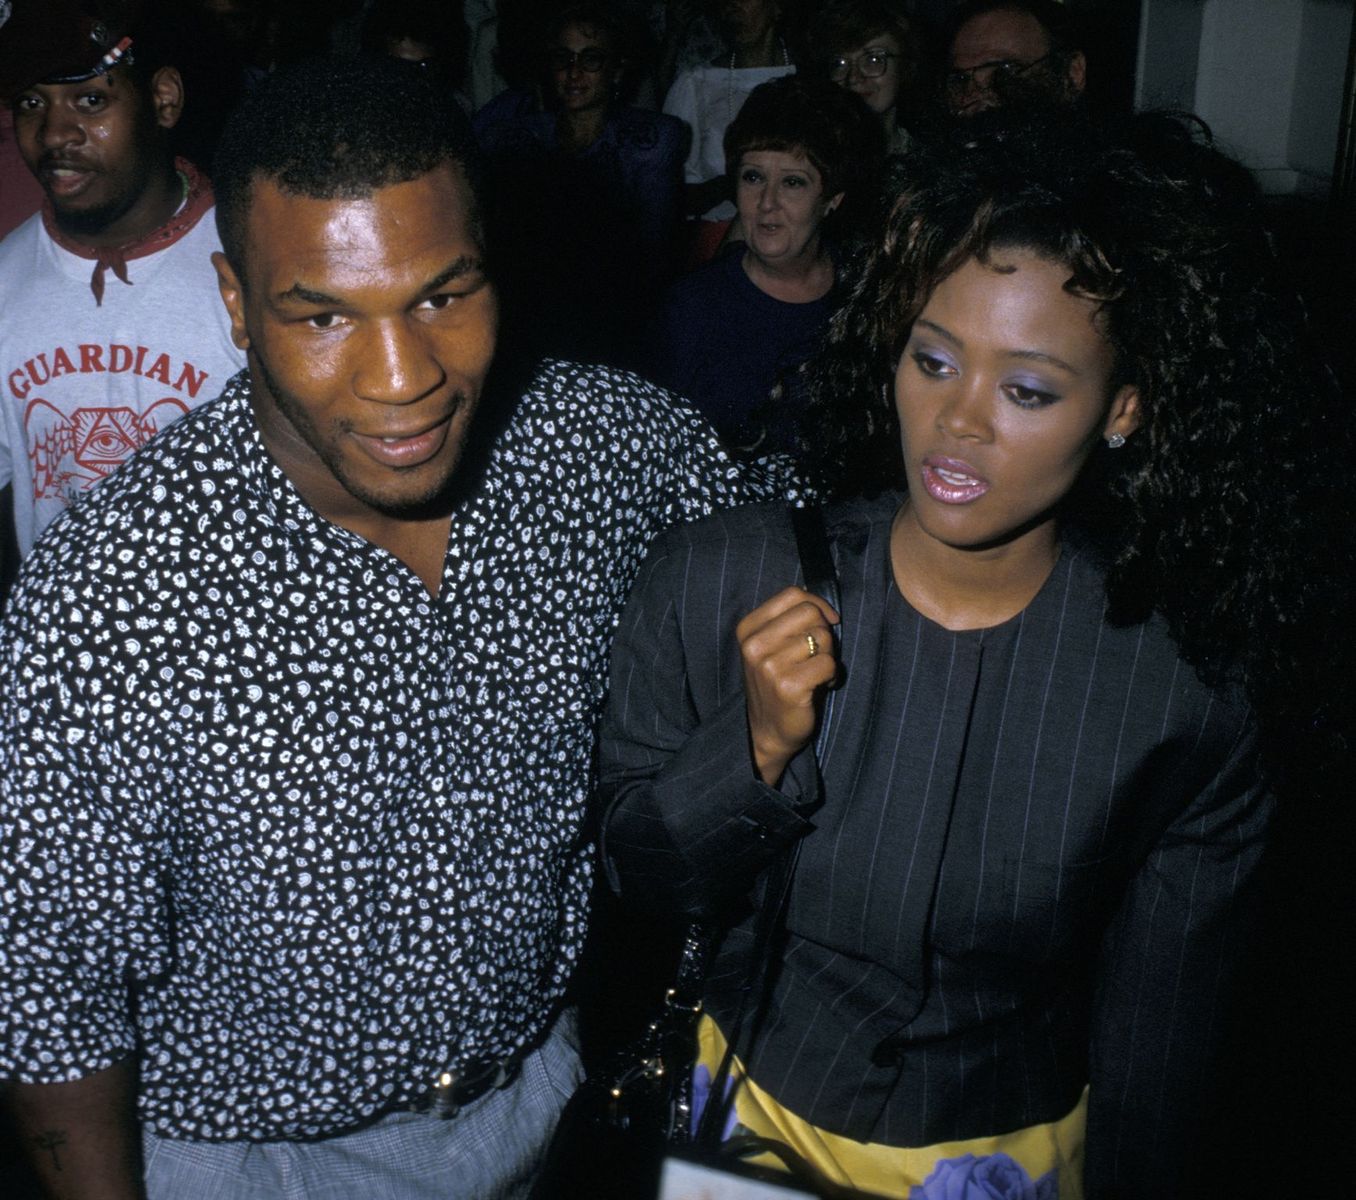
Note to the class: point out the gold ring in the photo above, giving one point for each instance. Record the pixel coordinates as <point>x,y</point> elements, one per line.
<point>812,644</point>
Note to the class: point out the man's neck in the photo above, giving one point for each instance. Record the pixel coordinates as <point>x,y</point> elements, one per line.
<point>158,201</point>
<point>766,52</point>
<point>419,542</point>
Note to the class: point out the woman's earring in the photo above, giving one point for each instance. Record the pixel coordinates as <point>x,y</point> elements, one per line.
<point>1116,441</point>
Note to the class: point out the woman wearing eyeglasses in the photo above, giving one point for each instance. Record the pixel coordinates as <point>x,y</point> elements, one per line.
<point>592,191</point>
<point>870,48</point>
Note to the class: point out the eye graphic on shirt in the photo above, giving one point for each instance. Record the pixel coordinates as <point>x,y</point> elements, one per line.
<point>70,452</point>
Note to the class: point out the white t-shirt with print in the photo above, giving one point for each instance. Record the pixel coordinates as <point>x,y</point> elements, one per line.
<point>83,385</point>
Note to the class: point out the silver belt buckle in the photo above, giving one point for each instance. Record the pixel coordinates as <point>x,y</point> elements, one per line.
<point>452,1090</point>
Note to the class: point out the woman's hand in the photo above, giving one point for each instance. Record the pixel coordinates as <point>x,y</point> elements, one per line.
<point>787,649</point>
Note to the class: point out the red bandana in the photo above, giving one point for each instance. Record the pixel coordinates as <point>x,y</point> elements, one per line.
<point>196,203</point>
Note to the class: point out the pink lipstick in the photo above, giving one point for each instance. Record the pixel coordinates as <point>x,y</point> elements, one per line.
<point>950,481</point>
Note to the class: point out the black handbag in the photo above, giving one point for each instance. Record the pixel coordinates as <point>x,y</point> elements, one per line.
<point>623,1120</point>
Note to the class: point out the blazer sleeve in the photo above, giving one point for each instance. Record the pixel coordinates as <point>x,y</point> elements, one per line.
<point>687,823</point>
<point>1166,965</point>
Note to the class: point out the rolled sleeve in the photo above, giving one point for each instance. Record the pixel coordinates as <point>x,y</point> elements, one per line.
<point>81,912</point>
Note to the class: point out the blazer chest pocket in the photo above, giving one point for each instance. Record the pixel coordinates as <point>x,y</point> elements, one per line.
<point>1030,909</point>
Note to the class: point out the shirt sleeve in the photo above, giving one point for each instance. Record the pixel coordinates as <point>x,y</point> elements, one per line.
<point>82,847</point>
<point>6,466</point>
<point>688,825</point>
<point>1166,966</point>
<point>700,477</point>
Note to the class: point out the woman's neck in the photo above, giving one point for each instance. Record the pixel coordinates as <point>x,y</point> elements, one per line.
<point>962,588</point>
<point>807,276</point>
<point>768,51</point>
<point>579,130</point>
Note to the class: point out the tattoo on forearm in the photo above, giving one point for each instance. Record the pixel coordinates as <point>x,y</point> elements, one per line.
<point>50,1140</point>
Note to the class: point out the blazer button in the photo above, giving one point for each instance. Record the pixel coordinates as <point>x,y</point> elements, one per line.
<point>757,828</point>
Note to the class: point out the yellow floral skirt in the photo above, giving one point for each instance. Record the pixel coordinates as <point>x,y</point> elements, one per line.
<point>1043,1162</point>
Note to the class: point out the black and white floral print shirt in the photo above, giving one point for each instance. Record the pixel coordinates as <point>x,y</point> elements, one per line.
<point>292,831</point>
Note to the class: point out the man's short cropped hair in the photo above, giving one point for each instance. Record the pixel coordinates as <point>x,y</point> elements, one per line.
<point>1061,28</point>
<point>339,129</point>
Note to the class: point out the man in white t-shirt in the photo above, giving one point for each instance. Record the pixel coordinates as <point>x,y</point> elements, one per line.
<point>111,325</point>
<point>708,97</point>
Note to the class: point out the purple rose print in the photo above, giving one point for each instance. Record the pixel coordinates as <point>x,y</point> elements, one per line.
<point>992,1177</point>
<point>701,1093</point>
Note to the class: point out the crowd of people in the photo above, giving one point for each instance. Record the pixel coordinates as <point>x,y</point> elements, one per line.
<point>397,443</point>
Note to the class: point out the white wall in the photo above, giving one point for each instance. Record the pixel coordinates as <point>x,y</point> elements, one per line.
<point>1324,45</point>
<point>1267,75</point>
<point>1169,53</point>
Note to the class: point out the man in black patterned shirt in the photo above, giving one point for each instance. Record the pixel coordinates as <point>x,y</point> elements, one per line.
<point>296,711</point>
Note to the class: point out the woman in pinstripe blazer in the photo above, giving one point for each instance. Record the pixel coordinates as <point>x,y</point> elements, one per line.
<point>1024,853</point>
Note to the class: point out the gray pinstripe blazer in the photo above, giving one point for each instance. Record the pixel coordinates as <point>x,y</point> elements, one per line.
<point>1021,867</point>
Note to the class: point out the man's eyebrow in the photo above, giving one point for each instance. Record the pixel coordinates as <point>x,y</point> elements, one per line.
<point>300,292</point>
<point>467,264</point>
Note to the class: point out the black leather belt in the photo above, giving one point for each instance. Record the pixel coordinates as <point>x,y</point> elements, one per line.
<point>453,1090</point>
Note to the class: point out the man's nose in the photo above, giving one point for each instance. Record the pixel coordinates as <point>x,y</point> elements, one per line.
<point>396,364</point>
<point>60,127</point>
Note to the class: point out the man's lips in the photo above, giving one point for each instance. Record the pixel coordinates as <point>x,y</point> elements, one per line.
<point>401,449</point>
<point>951,481</point>
<point>64,178</point>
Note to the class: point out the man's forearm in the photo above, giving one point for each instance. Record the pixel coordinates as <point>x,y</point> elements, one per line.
<point>82,1138</point>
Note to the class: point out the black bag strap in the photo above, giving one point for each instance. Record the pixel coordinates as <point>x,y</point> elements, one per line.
<point>821,577</point>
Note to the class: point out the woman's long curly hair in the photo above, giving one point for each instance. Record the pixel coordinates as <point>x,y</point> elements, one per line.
<point>1229,511</point>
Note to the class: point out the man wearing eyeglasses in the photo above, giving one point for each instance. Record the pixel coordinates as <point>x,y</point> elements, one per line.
<point>1009,53</point>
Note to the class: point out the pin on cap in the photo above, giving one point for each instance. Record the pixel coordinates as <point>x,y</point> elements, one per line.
<point>55,41</point>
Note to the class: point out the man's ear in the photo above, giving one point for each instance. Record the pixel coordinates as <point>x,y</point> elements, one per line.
<point>833,203</point>
<point>233,297</point>
<point>1078,72</point>
<point>167,97</point>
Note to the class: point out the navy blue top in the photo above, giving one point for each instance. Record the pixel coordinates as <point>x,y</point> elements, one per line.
<point>724,343</point>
